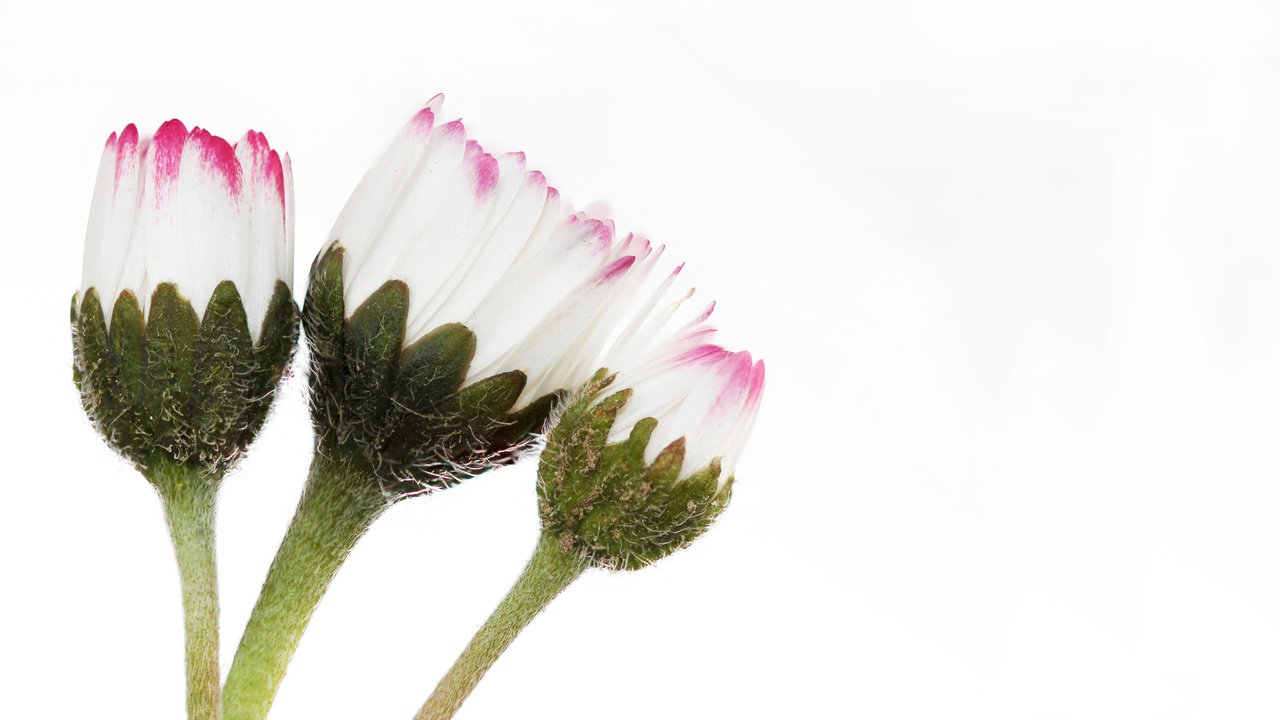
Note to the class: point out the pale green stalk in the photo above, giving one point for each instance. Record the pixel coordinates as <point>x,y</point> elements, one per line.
<point>549,571</point>
<point>339,504</point>
<point>189,498</point>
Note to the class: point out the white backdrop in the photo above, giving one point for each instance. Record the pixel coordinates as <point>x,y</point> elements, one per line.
<point>1012,266</point>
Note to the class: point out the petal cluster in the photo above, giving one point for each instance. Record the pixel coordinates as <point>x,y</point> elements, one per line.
<point>642,461</point>
<point>483,241</point>
<point>694,388</point>
<point>187,207</point>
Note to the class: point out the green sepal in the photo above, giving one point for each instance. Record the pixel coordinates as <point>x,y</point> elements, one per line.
<point>169,371</point>
<point>271,357</point>
<point>98,376</point>
<point>605,503</point>
<point>324,321</point>
<point>278,338</point>
<point>92,348</point>
<point>434,367</point>
<point>128,345</point>
<point>75,364</point>
<point>223,377</point>
<point>516,428</point>
<point>375,335</point>
<point>491,397</point>
<point>128,350</point>
<point>424,400</point>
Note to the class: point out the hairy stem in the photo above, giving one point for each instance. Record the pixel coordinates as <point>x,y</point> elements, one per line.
<point>339,504</point>
<point>549,571</point>
<point>189,498</point>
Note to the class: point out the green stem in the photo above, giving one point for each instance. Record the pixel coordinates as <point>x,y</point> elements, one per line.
<point>189,498</point>
<point>549,571</point>
<point>339,504</point>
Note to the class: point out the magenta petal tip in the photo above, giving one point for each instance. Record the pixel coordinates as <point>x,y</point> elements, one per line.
<point>486,170</point>
<point>424,120</point>
<point>128,137</point>
<point>454,129</point>
<point>218,155</point>
<point>616,268</point>
<point>166,151</point>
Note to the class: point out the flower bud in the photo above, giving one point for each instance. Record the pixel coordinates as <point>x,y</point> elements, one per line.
<point>184,322</point>
<point>642,461</point>
<point>456,301</point>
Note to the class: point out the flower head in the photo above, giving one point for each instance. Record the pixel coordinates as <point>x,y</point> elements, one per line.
<point>630,476</point>
<point>456,300</point>
<point>184,321</point>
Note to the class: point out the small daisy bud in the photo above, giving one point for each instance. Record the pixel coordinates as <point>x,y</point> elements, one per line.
<point>182,327</point>
<point>184,321</point>
<point>638,465</point>
<point>455,302</point>
<point>641,462</point>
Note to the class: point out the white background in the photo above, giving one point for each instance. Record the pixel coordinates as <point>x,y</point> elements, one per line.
<point>1012,266</point>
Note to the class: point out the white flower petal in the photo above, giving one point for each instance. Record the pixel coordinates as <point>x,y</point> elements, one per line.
<point>112,260</point>
<point>158,227</point>
<point>264,207</point>
<point>363,218</point>
<point>209,190</point>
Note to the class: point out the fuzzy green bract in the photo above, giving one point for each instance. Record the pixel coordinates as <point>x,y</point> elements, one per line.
<point>405,412</point>
<point>603,502</point>
<point>174,387</point>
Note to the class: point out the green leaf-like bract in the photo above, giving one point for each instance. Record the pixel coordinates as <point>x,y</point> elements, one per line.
<point>177,387</point>
<point>603,502</point>
<point>402,411</point>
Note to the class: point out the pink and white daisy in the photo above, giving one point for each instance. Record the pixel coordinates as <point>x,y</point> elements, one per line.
<point>481,240</point>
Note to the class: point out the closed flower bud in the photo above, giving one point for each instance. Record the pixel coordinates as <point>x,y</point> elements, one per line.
<point>184,321</point>
<point>638,465</point>
<point>182,327</point>
<point>456,301</point>
<point>642,461</point>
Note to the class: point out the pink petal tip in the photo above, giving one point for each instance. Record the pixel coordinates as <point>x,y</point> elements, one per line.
<point>217,155</point>
<point>454,129</point>
<point>616,269</point>
<point>486,170</point>
<point>423,120</point>
<point>126,146</point>
<point>166,151</point>
<point>709,354</point>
